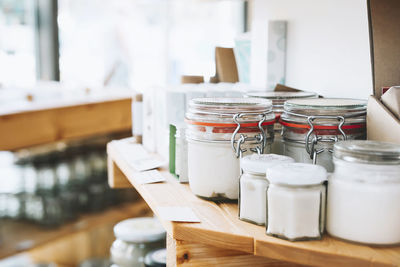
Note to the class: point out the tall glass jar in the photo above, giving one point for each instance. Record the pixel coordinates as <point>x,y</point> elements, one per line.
<point>253,185</point>
<point>135,238</point>
<point>364,193</point>
<point>296,198</point>
<point>219,132</point>
<point>181,164</point>
<point>278,99</point>
<point>312,126</point>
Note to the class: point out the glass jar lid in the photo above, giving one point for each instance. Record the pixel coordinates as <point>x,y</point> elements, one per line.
<point>258,164</point>
<point>299,110</point>
<point>139,230</point>
<point>325,106</point>
<point>272,95</point>
<point>279,98</point>
<point>222,110</point>
<point>366,151</point>
<point>296,174</point>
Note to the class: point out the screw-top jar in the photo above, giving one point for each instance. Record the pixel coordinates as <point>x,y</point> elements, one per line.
<point>135,238</point>
<point>312,126</point>
<point>278,99</point>
<point>219,132</point>
<point>296,198</point>
<point>364,193</point>
<point>253,185</point>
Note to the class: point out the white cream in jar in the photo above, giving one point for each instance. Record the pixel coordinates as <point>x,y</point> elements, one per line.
<point>364,193</point>
<point>296,198</point>
<point>219,132</point>
<point>253,185</point>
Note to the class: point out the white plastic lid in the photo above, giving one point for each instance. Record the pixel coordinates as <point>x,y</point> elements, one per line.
<point>139,230</point>
<point>300,174</point>
<point>260,163</point>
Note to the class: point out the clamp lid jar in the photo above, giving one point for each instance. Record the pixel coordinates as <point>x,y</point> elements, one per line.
<point>219,132</point>
<point>278,99</point>
<point>364,191</point>
<point>312,126</point>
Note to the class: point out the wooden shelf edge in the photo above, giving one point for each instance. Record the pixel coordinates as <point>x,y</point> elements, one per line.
<point>326,252</point>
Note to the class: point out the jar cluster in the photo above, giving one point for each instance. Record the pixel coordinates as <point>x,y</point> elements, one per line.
<point>282,158</point>
<point>50,186</point>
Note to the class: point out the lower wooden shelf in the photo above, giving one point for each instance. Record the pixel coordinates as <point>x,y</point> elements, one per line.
<point>89,236</point>
<point>221,239</point>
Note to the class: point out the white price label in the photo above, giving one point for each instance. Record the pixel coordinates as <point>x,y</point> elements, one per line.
<point>177,214</point>
<point>149,177</point>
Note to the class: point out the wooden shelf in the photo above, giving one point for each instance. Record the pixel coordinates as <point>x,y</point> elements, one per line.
<point>36,124</point>
<point>224,239</point>
<point>44,244</point>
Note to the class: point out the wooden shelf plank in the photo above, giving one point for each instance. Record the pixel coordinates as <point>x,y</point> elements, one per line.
<point>24,128</point>
<point>221,228</point>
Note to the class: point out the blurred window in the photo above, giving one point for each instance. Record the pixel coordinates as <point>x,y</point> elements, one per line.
<point>143,42</point>
<point>17,42</point>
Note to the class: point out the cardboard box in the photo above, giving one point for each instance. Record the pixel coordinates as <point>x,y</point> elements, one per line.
<point>384,21</point>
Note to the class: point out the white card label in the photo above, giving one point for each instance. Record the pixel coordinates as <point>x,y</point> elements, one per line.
<point>146,164</point>
<point>177,214</point>
<point>149,177</point>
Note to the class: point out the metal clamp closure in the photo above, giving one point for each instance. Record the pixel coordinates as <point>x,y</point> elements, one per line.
<point>310,144</point>
<point>260,139</point>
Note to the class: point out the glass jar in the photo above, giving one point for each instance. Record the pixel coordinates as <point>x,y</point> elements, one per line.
<point>312,126</point>
<point>46,175</point>
<point>364,193</point>
<point>253,185</point>
<point>296,198</point>
<point>135,238</point>
<point>278,99</point>
<point>156,258</point>
<point>219,132</point>
<point>181,164</point>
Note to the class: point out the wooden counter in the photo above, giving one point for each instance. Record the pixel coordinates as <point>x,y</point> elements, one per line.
<point>35,124</point>
<point>221,239</point>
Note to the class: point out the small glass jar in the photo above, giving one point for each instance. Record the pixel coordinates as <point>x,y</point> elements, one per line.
<point>156,258</point>
<point>135,238</point>
<point>296,198</point>
<point>278,99</point>
<point>181,164</point>
<point>364,193</point>
<point>253,185</point>
<point>312,126</point>
<point>219,132</point>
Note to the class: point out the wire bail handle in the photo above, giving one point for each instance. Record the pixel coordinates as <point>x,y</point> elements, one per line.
<point>310,144</point>
<point>260,138</point>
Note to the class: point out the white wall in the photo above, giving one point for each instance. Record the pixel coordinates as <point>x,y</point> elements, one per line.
<point>327,45</point>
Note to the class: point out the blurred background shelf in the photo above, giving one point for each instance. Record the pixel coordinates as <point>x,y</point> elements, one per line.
<point>46,123</point>
<point>89,236</point>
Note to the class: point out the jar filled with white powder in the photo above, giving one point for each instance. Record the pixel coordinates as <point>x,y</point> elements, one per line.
<point>219,132</point>
<point>296,198</point>
<point>312,126</point>
<point>253,185</point>
<point>181,164</point>
<point>278,99</point>
<point>364,193</point>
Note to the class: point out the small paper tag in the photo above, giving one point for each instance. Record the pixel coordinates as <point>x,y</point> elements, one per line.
<point>177,214</point>
<point>146,164</point>
<point>149,177</point>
